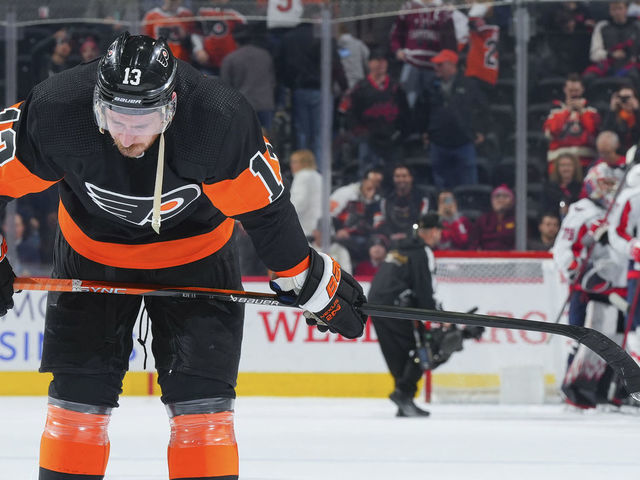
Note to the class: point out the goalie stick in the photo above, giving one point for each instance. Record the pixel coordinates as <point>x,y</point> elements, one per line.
<point>626,368</point>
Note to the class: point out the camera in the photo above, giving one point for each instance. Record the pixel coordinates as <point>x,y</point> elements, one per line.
<point>624,98</point>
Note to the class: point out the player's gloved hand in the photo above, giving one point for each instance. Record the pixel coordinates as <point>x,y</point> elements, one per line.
<point>634,250</point>
<point>330,296</point>
<point>573,270</point>
<point>596,233</point>
<point>6,279</point>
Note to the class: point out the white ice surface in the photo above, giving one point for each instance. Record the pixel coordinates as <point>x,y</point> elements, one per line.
<point>313,439</point>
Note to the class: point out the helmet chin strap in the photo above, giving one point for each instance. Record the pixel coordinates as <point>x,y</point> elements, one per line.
<point>157,191</point>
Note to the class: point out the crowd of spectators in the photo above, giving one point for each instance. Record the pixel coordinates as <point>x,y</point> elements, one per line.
<point>423,110</point>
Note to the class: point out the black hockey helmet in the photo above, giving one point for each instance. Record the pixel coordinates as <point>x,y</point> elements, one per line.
<point>137,76</point>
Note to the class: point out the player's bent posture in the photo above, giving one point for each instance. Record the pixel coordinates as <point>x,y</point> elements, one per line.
<point>154,162</point>
<point>596,274</point>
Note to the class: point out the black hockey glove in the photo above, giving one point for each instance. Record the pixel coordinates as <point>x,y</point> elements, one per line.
<point>406,298</point>
<point>472,332</point>
<point>6,279</point>
<point>330,297</point>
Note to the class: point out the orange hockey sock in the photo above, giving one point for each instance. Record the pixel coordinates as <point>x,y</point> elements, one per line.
<point>74,443</point>
<point>203,446</point>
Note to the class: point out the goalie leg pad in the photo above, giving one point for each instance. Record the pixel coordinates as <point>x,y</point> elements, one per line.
<point>75,443</point>
<point>203,443</point>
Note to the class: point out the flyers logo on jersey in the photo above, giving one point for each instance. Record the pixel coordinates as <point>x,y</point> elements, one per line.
<point>138,210</point>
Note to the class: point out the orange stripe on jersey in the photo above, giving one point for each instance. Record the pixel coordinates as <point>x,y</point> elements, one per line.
<point>152,255</point>
<point>293,271</point>
<point>16,180</point>
<point>74,442</point>
<point>202,446</point>
<point>255,188</point>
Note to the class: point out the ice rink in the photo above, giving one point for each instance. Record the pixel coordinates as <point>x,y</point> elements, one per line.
<point>313,439</point>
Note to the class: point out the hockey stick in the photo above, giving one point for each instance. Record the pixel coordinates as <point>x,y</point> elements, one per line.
<point>611,352</point>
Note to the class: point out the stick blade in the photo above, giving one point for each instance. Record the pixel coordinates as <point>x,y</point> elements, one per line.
<point>622,364</point>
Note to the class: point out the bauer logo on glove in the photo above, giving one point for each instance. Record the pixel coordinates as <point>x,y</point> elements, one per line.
<point>330,297</point>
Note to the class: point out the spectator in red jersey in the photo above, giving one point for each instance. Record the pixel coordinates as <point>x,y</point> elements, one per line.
<point>456,228</point>
<point>416,37</point>
<point>548,228</point>
<point>496,230</point>
<point>379,245</point>
<point>377,114</point>
<point>615,43</point>
<point>564,185</point>
<point>171,22</point>
<point>215,40</point>
<point>623,117</point>
<point>572,125</point>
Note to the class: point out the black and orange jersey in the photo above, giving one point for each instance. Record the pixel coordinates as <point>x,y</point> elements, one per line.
<point>218,32</point>
<point>176,27</point>
<point>218,167</point>
<point>482,59</point>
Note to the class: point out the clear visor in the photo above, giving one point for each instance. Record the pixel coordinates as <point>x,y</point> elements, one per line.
<point>131,120</point>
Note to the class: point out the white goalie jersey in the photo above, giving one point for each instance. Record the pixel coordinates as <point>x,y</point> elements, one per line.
<point>580,233</point>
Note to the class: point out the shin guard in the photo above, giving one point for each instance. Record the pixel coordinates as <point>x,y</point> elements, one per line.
<point>75,444</point>
<point>203,443</point>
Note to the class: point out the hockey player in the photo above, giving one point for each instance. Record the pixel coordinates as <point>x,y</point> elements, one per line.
<point>595,272</point>
<point>623,235</point>
<point>154,162</point>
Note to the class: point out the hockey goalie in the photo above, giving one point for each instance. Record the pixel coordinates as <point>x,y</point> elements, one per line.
<point>597,280</point>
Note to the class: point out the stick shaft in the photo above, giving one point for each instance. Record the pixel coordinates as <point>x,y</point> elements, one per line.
<point>610,351</point>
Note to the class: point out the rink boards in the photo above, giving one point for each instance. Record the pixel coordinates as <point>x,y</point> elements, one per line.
<point>283,356</point>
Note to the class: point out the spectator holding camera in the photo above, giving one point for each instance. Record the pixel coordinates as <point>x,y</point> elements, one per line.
<point>456,228</point>
<point>623,117</point>
<point>572,125</point>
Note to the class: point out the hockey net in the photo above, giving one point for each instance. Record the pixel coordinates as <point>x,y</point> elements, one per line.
<point>503,362</point>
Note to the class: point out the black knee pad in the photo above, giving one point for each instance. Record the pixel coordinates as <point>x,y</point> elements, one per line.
<point>100,389</point>
<point>181,387</point>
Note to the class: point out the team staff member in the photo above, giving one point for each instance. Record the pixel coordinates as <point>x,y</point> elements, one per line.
<point>154,162</point>
<point>406,278</point>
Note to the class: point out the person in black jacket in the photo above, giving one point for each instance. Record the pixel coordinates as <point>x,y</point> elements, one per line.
<point>298,68</point>
<point>406,279</point>
<point>377,114</point>
<point>452,115</point>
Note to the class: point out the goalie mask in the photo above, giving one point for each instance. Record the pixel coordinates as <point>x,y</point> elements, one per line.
<point>135,78</point>
<point>601,182</point>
